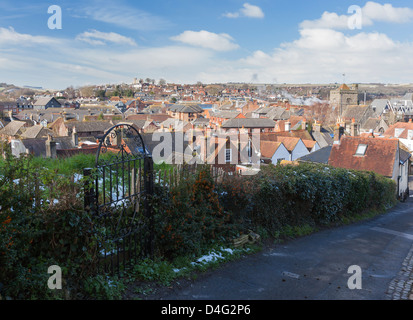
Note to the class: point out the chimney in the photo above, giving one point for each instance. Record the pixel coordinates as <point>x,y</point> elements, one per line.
<point>304,124</point>
<point>338,132</point>
<point>50,148</point>
<point>288,126</point>
<point>371,133</point>
<point>353,128</point>
<point>317,127</point>
<point>75,137</point>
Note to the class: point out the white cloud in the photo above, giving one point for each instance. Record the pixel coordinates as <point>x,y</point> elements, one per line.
<point>387,13</point>
<point>370,13</point>
<point>123,16</point>
<point>95,37</point>
<point>11,37</point>
<point>209,40</point>
<point>247,10</point>
<point>321,55</point>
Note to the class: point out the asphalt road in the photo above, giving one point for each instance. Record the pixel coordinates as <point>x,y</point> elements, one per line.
<point>316,267</point>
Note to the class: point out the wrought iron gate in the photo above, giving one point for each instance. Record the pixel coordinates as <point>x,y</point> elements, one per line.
<point>119,198</point>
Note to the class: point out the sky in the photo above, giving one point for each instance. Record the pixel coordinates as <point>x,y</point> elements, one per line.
<point>93,42</point>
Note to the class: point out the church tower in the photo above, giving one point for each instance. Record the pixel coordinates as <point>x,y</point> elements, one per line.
<point>344,96</point>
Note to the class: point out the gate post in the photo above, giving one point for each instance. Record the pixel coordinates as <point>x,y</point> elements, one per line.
<point>149,189</point>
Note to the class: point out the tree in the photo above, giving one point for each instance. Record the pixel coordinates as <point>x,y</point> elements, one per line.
<point>70,92</point>
<point>162,82</point>
<point>101,94</point>
<point>87,91</point>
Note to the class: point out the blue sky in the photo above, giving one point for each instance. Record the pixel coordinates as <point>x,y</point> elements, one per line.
<point>266,41</point>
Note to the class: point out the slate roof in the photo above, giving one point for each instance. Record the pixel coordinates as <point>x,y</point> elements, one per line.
<point>380,154</point>
<point>404,156</point>
<point>371,124</point>
<point>319,156</point>
<point>89,126</point>
<point>323,137</point>
<point>175,123</point>
<point>13,128</point>
<point>44,101</point>
<point>358,112</point>
<point>380,105</point>
<point>186,108</point>
<point>249,123</point>
<point>36,131</point>
<point>225,114</point>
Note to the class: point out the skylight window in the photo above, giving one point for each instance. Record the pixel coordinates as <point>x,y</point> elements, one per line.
<point>361,150</point>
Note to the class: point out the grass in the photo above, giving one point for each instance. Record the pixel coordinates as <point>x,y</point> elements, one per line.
<point>75,164</point>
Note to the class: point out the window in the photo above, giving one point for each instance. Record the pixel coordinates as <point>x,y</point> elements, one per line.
<point>228,155</point>
<point>361,150</point>
<point>398,132</point>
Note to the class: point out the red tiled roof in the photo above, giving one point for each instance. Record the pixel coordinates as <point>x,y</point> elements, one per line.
<point>268,148</point>
<point>380,155</point>
<point>391,131</point>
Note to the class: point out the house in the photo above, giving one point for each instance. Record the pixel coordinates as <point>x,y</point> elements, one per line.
<point>218,118</point>
<point>402,131</point>
<point>376,125</point>
<point>83,128</point>
<point>185,112</point>
<point>250,124</point>
<point>311,145</point>
<point>273,152</point>
<point>320,156</point>
<point>321,135</point>
<point>56,147</point>
<point>172,124</point>
<point>14,129</point>
<point>156,118</point>
<point>35,132</point>
<point>140,125</point>
<point>294,145</point>
<point>45,103</point>
<point>380,106</point>
<point>357,113</point>
<point>380,155</point>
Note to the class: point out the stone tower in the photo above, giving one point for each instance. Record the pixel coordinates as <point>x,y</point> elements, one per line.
<point>344,96</point>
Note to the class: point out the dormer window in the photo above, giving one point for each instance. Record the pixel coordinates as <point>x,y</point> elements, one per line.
<point>361,150</point>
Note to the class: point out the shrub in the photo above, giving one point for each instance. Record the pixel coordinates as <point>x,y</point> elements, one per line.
<point>38,231</point>
<point>308,194</point>
<point>190,217</point>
